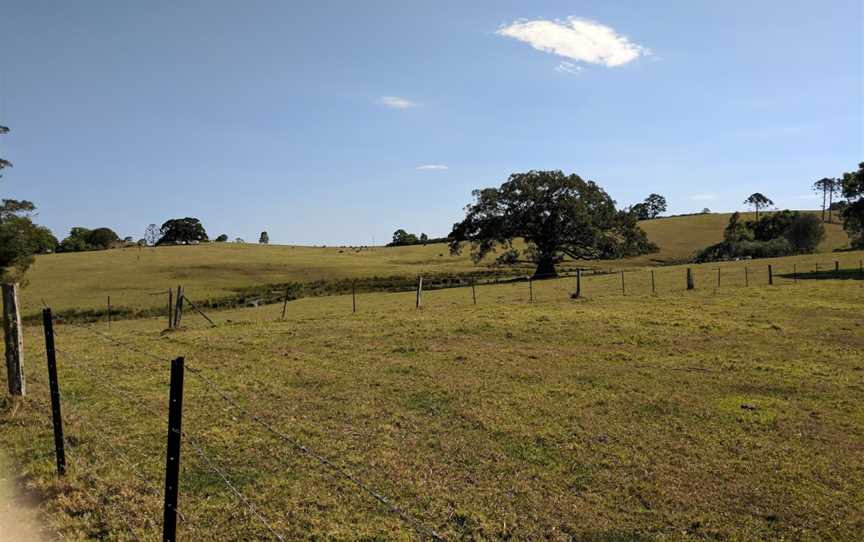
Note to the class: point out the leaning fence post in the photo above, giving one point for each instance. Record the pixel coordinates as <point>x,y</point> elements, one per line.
<point>172,464</point>
<point>690,284</point>
<point>178,310</point>
<point>770,275</point>
<point>285,304</point>
<point>56,416</point>
<point>14,339</point>
<point>419,292</point>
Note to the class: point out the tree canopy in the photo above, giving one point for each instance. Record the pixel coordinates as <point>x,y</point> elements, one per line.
<point>182,231</point>
<point>557,215</point>
<point>758,201</point>
<point>853,214</point>
<point>264,239</point>
<point>81,239</point>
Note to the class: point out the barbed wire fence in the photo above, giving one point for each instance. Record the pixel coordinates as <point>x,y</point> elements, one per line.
<point>144,467</point>
<point>146,470</point>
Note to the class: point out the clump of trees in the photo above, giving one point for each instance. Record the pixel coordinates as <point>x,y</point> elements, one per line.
<point>222,238</point>
<point>828,186</point>
<point>82,239</point>
<point>853,213</point>
<point>20,238</point>
<point>556,215</point>
<point>653,206</point>
<point>182,231</point>
<point>779,234</point>
<point>264,239</point>
<point>403,238</point>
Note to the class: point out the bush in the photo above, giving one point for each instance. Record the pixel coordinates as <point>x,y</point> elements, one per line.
<point>805,233</point>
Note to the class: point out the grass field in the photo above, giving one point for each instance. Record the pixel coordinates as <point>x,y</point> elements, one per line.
<point>730,413</point>
<point>132,276</point>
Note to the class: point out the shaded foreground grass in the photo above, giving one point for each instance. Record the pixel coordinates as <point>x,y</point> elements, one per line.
<point>733,414</point>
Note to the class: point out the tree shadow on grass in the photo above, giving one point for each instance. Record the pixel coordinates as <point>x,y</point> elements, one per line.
<point>828,274</point>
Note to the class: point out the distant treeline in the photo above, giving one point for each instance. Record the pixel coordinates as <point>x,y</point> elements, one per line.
<point>402,238</point>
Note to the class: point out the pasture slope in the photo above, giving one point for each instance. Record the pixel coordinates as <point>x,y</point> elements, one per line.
<point>730,413</point>
<point>131,276</point>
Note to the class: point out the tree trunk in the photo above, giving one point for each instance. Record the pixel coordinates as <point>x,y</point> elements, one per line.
<point>830,202</point>
<point>545,269</point>
<point>823,204</point>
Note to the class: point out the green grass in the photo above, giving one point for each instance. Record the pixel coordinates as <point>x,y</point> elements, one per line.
<point>83,281</point>
<point>730,413</point>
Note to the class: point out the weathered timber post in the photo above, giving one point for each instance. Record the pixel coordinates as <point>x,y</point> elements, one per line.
<point>746,276</point>
<point>530,290</point>
<point>622,284</point>
<point>653,289</point>
<point>690,284</point>
<point>861,269</point>
<point>836,268</point>
<point>109,312</point>
<point>353,296</point>
<point>718,277</point>
<point>178,309</point>
<point>172,462</point>
<point>419,292</point>
<point>170,308</point>
<point>795,273</point>
<point>56,416</point>
<point>770,275</point>
<point>285,304</point>
<point>473,292</point>
<point>13,335</point>
<point>578,283</point>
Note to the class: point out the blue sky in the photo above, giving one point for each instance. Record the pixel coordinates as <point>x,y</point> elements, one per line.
<point>310,119</point>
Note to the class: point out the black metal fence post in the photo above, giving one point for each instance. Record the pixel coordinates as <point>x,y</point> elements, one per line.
<point>172,464</point>
<point>56,416</point>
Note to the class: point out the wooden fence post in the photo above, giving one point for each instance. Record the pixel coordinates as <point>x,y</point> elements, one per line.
<point>285,304</point>
<point>530,290</point>
<point>473,293</point>
<point>653,288</point>
<point>578,283</point>
<point>172,463</point>
<point>746,276</point>
<point>690,284</point>
<point>419,292</point>
<point>170,308</point>
<point>836,268</point>
<point>770,275</point>
<point>109,312</point>
<point>718,277</point>
<point>56,416</point>
<point>861,269</point>
<point>178,309</point>
<point>353,297</point>
<point>795,273</point>
<point>622,284</point>
<point>13,335</point>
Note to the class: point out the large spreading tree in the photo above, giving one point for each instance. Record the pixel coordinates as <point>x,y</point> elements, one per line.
<point>182,231</point>
<point>557,215</point>
<point>758,201</point>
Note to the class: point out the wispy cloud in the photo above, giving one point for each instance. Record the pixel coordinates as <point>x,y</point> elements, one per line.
<point>703,197</point>
<point>396,102</point>
<point>577,39</point>
<point>432,167</point>
<point>568,67</point>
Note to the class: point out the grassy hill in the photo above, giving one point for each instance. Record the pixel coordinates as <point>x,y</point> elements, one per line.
<point>134,277</point>
<point>727,414</point>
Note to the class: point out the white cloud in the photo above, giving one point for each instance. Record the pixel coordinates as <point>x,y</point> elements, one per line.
<point>703,197</point>
<point>433,167</point>
<point>568,67</point>
<point>577,39</point>
<point>396,102</point>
